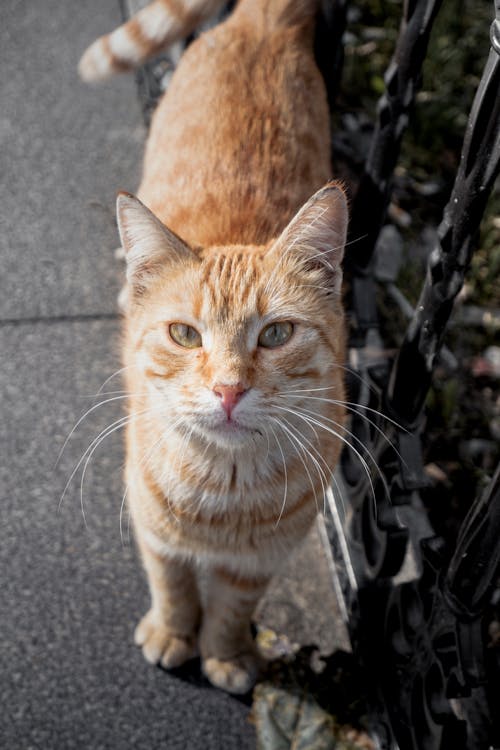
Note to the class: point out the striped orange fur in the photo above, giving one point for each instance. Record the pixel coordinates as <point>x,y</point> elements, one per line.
<point>233,313</point>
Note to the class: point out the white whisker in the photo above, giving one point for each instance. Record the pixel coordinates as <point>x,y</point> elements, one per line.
<point>89,411</point>
<point>353,408</point>
<point>286,477</point>
<point>118,424</point>
<point>118,372</point>
<point>290,434</point>
<point>323,477</point>
<point>145,460</point>
<point>343,440</point>
<point>184,447</point>
<point>341,498</point>
<point>358,454</point>
<point>96,443</point>
<point>338,247</point>
<point>268,445</point>
<point>326,289</point>
<point>305,411</point>
<point>122,421</point>
<point>358,440</point>
<point>346,369</point>
<point>311,445</point>
<point>350,404</point>
<point>294,443</point>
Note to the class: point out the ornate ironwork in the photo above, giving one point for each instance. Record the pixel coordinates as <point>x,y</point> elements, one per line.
<point>417,620</point>
<point>402,80</point>
<point>450,259</point>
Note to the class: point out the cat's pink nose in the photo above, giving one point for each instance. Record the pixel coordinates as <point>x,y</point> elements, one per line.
<point>229,395</point>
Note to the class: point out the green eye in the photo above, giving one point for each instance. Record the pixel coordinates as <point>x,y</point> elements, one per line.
<point>275,334</point>
<point>185,335</point>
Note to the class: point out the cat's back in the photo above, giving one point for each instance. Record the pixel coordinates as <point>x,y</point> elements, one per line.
<point>241,138</point>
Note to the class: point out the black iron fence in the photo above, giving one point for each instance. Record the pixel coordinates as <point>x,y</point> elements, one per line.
<point>418,620</point>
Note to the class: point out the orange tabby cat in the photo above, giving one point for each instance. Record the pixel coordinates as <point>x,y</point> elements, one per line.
<point>234,321</point>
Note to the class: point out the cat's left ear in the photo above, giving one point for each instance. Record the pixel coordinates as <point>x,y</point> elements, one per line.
<point>148,244</point>
<point>316,236</point>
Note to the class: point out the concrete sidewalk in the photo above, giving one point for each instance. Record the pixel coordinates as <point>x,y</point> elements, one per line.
<point>70,595</point>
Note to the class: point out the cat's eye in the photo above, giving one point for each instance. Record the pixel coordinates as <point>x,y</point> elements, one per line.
<point>275,334</point>
<point>185,335</point>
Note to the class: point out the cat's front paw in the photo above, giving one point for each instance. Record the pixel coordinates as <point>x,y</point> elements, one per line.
<point>237,675</point>
<point>160,645</point>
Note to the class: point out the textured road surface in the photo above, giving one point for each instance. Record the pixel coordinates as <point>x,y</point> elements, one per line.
<point>70,594</point>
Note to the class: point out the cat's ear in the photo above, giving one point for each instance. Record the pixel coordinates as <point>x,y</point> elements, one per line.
<point>316,236</point>
<point>148,244</point>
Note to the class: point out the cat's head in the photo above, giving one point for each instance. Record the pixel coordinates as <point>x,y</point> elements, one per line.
<point>221,335</point>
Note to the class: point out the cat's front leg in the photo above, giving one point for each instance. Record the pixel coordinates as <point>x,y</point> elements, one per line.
<point>168,631</point>
<point>229,656</point>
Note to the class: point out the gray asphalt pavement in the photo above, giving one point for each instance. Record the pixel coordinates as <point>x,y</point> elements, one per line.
<point>70,594</point>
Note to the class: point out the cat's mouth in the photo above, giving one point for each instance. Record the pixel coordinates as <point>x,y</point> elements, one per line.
<point>231,425</point>
<point>230,430</point>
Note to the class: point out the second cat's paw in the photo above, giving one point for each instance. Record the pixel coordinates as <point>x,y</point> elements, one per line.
<point>160,646</point>
<point>237,675</point>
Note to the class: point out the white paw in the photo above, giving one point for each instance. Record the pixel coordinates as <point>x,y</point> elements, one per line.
<point>160,645</point>
<point>237,675</point>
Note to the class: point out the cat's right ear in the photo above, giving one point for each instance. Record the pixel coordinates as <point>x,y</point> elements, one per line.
<point>316,236</point>
<point>148,244</point>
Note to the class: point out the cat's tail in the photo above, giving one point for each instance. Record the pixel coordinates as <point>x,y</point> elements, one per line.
<point>164,22</point>
<point>156,26</point>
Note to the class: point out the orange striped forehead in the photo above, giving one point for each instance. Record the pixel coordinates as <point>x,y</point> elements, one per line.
<point>231,286</point>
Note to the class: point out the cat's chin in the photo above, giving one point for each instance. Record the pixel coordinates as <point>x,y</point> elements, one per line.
<point>231,434</point>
